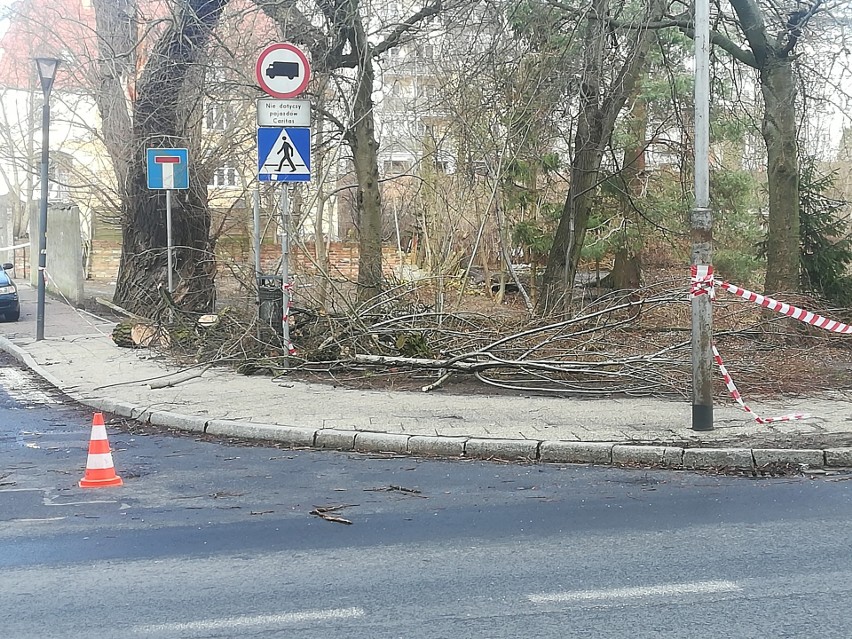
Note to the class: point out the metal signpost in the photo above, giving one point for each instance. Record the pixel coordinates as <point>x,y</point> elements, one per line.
<point>283,142</point>
<point>168,169</point>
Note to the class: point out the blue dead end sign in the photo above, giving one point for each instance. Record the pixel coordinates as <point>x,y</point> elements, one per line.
<point>284,154</point>
<point>168,169</point>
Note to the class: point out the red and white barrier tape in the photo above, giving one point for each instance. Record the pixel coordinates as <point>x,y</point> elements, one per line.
<point>702,281</point>
<point>14,247</point>
<point>735,394</point>
<point>791,311</point>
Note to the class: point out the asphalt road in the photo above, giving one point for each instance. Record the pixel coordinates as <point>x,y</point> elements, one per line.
<point>212,539</point>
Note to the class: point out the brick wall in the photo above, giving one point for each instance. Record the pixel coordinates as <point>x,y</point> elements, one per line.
<point>22,263</point>
<point>343,258</point>
<point>104,260</point>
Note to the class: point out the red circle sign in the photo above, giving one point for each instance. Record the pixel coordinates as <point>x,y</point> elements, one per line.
<point>283,70</point>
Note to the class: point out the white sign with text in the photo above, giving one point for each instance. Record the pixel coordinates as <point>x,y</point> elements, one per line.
<point>281,113</point>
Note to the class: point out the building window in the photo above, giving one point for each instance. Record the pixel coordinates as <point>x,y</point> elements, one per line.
<point>428,91</point>
<point>395,167</point>
<point>59,178</point>
<point>424,52</point>
<point>224,176</point>
<point>217,116</point>
<point>479,167</point>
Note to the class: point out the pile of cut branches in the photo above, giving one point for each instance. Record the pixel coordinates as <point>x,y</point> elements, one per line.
<point>635,343</point>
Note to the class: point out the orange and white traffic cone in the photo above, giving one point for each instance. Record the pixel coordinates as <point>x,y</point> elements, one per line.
<point>99,469</point>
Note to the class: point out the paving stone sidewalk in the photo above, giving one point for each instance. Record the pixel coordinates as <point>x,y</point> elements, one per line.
<point>79,358</point>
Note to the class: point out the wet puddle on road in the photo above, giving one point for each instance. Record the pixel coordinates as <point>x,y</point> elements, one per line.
<point>22,389</point>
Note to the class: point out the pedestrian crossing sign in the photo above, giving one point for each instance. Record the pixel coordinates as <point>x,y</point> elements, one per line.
<point>284,154</point>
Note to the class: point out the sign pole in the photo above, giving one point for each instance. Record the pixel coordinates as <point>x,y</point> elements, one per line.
<point>169,238</point>
<point>285,269</point>
<point>283,71</point>
<point>168,169</point>
<point>255,201</point>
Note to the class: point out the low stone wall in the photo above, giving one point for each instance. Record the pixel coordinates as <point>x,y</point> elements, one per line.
<point>64,262</point>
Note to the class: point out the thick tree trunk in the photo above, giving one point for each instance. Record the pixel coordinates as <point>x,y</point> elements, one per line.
<point>364,153</point>
<point>773,58</point>
<point>159,121</point>
<point>589,141</point>
<point>779,132</point>
<point>116,22</point>
<point>598,113</point>
<point>320,249</point>
<point>627,267</point>
<point>571,233</point>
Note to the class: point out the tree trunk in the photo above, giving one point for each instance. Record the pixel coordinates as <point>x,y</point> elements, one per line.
<point>626,271</point>
<point>773,58</point>
<point>364,153</point>
<point>159,121</point>
<point>598,113</point>
<point>627,267</point>
<point>115,22</point>
<point>779,132</point>
<point>320,252</point>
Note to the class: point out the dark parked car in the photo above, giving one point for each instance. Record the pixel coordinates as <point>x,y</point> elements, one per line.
<point>10,307</point>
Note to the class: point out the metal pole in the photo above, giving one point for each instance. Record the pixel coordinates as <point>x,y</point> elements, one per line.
<point>255,200</point>
<point>285,267</point>
<point>169,239</point>
<point>42,218</point>
<point>702,228</point>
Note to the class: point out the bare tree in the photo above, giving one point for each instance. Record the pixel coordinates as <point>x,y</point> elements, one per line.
<point>161,98</point>
<point>600,104</point>
<point>344,43</point>
<point>768,36</point>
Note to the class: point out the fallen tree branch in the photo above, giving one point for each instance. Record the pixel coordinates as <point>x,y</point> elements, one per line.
<point>168,383</point>
<point>323,513</point>
<point>438,382</point>
<point>119,310</point>
<point>400,489</point>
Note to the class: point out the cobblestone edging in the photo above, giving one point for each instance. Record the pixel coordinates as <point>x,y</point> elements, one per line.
<point>523,450</point>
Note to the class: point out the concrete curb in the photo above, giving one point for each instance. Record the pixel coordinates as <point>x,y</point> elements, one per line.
<point>524,450</point>
<point>250,430</point>
<point>26,359</point>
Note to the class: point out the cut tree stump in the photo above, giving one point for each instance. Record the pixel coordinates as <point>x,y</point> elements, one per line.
<point>136,334</point>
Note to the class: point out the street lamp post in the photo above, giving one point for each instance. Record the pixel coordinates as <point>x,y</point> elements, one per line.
<point>702,229</point>
<point>46,74</point>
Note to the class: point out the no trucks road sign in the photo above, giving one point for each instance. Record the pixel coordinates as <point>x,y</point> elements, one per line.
<point>283,70</point>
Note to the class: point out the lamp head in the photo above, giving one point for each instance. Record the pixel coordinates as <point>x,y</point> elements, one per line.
<point>47,73</point>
